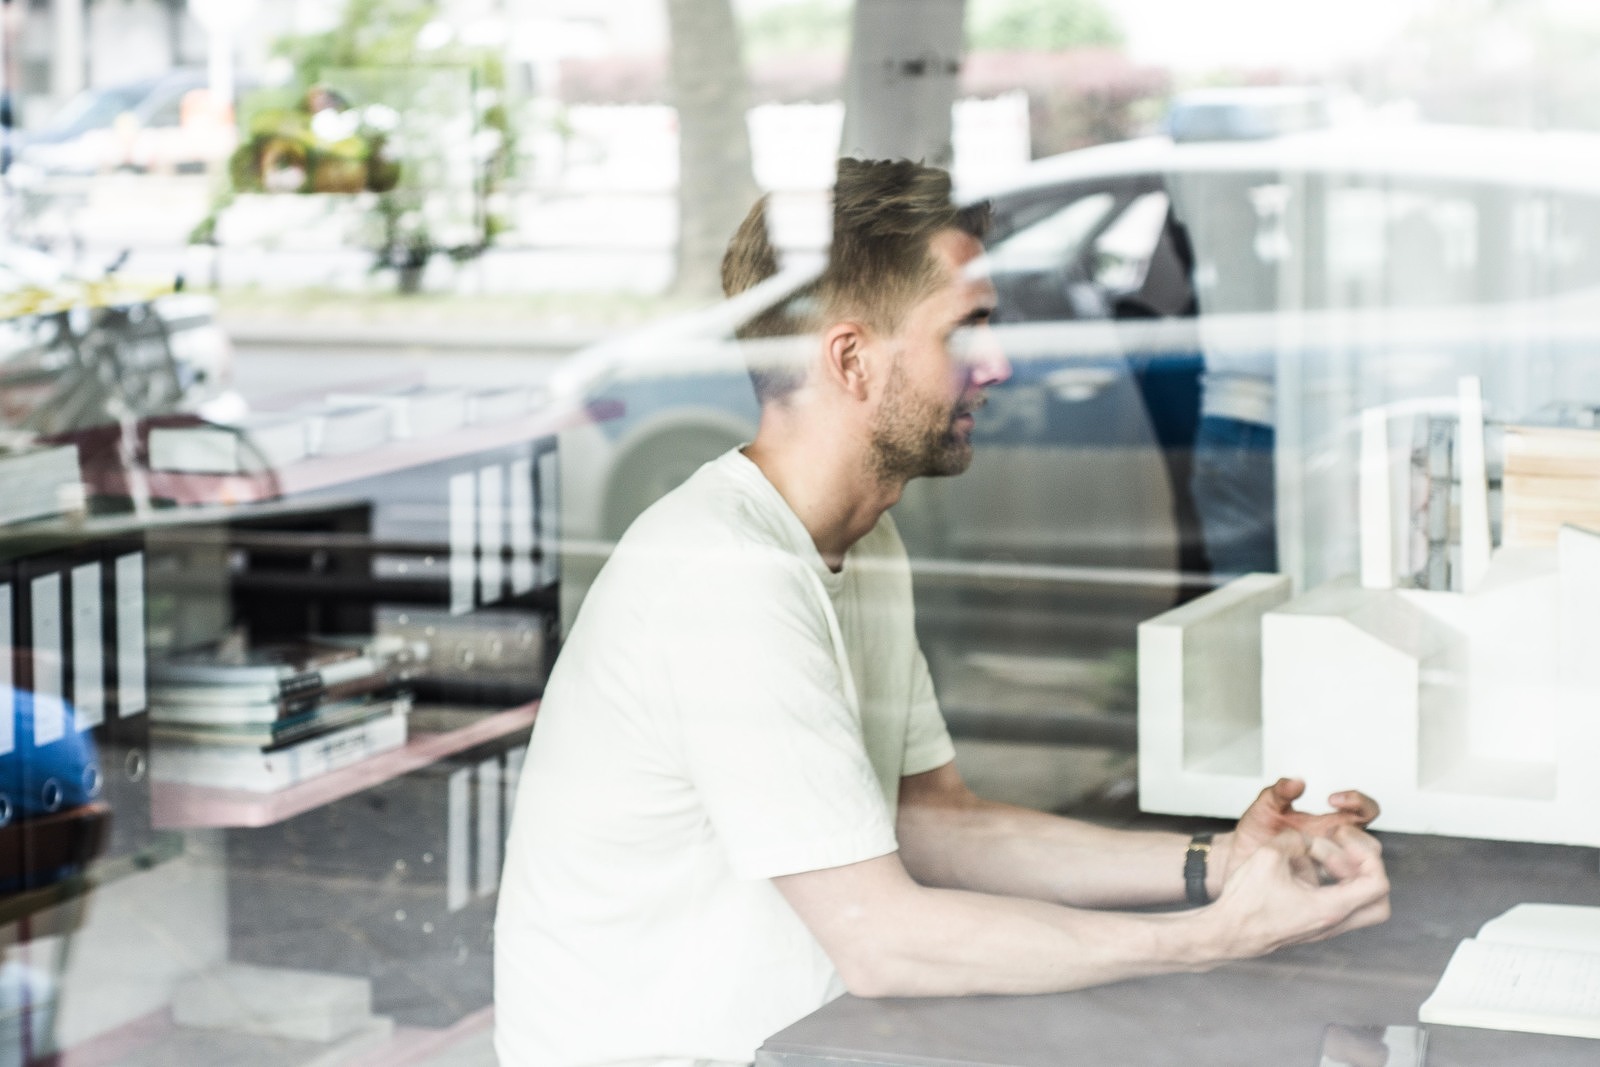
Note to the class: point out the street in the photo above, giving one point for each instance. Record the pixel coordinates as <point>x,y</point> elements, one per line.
<point>273,374</point>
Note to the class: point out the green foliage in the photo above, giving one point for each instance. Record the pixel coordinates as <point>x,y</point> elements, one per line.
<point>1039,25</point>
<point>378,61</point>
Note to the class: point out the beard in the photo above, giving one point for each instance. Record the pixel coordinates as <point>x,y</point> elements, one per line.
<point>917,437</point>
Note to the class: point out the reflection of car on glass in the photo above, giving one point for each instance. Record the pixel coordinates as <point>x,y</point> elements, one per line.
<point>1341,267</point>
<point>159,123</point>
<point>75,354</point>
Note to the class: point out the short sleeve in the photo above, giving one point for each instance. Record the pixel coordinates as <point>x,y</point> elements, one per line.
<point>770,735</point>
<point>928,744</point>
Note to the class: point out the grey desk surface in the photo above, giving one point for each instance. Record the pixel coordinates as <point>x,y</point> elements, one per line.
<point>1267,1012</point>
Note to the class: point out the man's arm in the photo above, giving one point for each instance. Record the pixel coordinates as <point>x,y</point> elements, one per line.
<point>890,936</point>
<point>950,837</point>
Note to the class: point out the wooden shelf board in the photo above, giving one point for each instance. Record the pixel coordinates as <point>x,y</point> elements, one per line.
<point>176,806</point>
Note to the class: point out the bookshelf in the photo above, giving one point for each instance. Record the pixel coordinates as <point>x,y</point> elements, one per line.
<point>448,536</point>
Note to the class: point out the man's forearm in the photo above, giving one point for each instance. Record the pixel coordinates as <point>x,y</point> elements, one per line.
<point>958,943</point>
<point>962,842</point>
<point>890,936</point>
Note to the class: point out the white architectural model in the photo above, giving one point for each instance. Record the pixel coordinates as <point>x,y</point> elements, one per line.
<point>1473,714</point>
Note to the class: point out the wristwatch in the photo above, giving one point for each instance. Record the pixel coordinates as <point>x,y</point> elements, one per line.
<point>1194,869</point>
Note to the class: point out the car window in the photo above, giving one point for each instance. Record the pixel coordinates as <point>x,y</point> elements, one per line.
<point>166,109</point>
<point>1120,255</point>
<point>95,108</point>
<point>1239,228</point>
<point>1076,258</point>
<point>1415,243</point>
<point>1401,247</point>
<point>1050,242</point>
<point>1553,241</point>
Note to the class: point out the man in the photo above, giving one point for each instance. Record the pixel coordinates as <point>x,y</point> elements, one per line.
<point>740,798</point>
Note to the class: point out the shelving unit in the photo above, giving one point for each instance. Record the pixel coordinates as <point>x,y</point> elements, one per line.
<point>450,533</point>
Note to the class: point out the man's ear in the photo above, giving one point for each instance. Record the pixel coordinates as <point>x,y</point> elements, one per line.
<point>844,360</point>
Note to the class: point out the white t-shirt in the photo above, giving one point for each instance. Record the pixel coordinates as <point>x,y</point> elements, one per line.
<point>725,710</point>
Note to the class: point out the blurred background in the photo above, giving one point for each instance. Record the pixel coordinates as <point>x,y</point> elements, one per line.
<point>126,113</point>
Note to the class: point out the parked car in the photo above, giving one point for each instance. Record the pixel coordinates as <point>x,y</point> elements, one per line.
<point>1364,266</point>
<point>76,353</point>
<point>164,123</point>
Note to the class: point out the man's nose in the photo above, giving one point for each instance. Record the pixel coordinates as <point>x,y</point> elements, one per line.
<point>987,359</point>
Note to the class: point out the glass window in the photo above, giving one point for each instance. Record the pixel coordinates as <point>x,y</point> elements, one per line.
<point>338,404</point>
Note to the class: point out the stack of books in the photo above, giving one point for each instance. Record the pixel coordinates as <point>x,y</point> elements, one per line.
<point>1552,479</point>
<point>273,716</point>
<point>341,429</point>
<point>256,442</point>
<point>417,411</point>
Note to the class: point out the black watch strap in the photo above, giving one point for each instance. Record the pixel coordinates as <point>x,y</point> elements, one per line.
<point>1194,869</point>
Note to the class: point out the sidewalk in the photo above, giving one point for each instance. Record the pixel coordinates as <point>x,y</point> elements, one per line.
<point>534,323</point>
<point>274,331</point>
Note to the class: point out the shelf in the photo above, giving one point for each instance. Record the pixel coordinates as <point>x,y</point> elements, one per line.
<point>175,806</point>
<point>328,472</point>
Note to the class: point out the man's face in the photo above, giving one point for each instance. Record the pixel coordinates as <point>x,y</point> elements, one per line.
<point>942,359</point>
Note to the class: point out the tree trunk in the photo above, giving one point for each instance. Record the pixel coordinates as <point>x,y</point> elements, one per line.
<point>905,58</point>
<point>716,185</point>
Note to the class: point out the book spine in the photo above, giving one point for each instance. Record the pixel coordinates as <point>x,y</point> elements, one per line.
<point>340,748</point>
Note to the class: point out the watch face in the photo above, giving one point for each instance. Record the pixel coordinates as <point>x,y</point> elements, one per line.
<point>1373,1046</point>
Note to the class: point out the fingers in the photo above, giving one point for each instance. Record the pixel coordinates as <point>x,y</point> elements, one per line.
<point>1355,804</point>
<point>1285,791</point>
<point>1346,853</point>
<point>1360,891</point>
<point>1350,805</point>
<point>1278,895</point>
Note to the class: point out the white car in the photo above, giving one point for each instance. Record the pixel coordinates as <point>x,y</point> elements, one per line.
<point>1361,266</point>
<point>165,123</point>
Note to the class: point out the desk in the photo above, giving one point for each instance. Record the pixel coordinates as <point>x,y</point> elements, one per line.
<point>1267,1012</point>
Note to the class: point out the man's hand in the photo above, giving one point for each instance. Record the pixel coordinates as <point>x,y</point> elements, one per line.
<point>1273,813</point>
<point>1277,895</point>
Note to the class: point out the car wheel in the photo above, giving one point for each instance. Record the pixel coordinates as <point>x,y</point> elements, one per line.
<point>655,467</point>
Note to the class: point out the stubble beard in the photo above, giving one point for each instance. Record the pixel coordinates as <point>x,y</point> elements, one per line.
<point>916,437</point>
